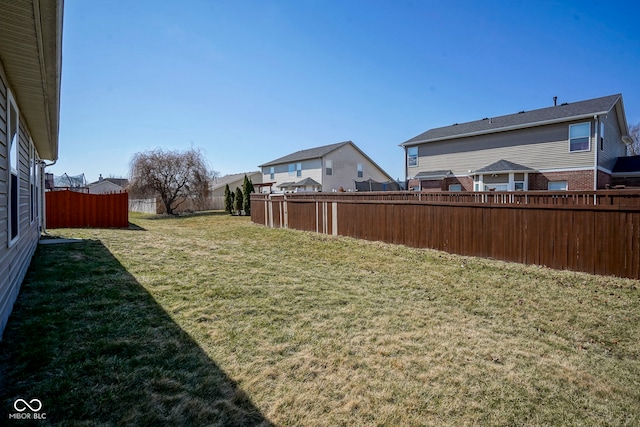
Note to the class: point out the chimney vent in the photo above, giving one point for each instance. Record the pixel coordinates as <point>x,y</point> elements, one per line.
<point>555,101</point>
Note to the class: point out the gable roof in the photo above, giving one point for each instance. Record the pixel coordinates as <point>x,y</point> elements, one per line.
<point>310,153</point>
<point>121,182</point>
<point>319,152</point>
<point>503,166</point>
<point>561,113</point>
<point>305,182</point>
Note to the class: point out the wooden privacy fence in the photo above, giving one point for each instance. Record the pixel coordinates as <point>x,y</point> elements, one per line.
<point>70,209</point>
<point>596,232</point>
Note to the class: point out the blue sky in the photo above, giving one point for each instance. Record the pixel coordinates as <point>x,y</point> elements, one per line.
<point>250,81</point>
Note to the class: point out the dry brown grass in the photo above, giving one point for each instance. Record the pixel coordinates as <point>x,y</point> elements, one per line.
<point>325,331</point>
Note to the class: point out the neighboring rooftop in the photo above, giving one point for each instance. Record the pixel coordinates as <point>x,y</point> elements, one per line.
<point>228,179</point>
<point>630,164</point>
<point>559,113</point>
<point>310,153</point>
<point>503,166</point>
<point>122,182</point>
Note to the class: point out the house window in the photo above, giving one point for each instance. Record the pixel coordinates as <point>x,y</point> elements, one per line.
<point>32,181</point>
<point>272,172</point>
<point>14,142</point>
<point>298,169</point>
<point>518,185</point>
<point>579,136</point>
<point>38,185</point>
<point>455,187</point>
<point>557,186</point>
<point>360,170</point>
<point>292,169</point>
<point>412,156</point>
<point>328,167</point>
<point>601,136</point>
<point>496,187</point>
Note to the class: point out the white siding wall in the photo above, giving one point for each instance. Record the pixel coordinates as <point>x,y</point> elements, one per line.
<point>541,148</point>
<point>14,260</point>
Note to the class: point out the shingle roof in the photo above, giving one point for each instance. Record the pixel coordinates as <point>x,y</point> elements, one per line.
<point>627,164</point>
<point>563,112</point>
<point>433,174</point>
<point>228,179</point>
<point>305,182</point>
<point>310,153</point>
<point>504,166</point>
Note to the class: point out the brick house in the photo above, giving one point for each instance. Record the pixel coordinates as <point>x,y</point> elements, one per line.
<point>572,146</point>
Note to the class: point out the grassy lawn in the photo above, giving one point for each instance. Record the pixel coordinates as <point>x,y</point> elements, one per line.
<point>211,319</point>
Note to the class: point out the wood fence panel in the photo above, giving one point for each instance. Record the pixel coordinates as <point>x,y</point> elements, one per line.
<point>71,209</point>
<point>594,232</point>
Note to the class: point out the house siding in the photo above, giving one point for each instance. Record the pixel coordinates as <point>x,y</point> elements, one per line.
<point>345,160</point>
<point>541,148</point>
<point>14,260</point>
<point>311,168</point>
<point>613,145</point>
<point>345,169</point>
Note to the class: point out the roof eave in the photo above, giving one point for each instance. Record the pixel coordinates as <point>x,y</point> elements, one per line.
<point>32,52</point>
<point>504,129</point>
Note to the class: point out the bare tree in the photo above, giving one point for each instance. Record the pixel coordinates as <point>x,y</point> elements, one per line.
<point>173,175</point>
<point>634,133</point>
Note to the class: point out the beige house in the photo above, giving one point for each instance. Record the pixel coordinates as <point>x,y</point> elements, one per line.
<point>108,185</point>
<point>334,167</point>
<point>217,186</point>
<point>30,69</point>
<point>572,146</point>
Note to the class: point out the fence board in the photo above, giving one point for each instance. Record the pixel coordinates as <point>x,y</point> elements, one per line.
<point>71,209</point>
<point>595,232</point>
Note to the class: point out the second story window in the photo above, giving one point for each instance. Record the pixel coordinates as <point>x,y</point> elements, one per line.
<point>412,156</point>
<point>292,169</point>
<point>360,170</point>
<point>328,167</point>
<point>579,136</point>
<point>272,172</point>
<point>298,169</point>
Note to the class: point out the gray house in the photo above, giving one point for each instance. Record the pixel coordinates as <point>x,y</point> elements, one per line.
<point>331,167</point>
<point>30,66</point>
<point>572,146</point>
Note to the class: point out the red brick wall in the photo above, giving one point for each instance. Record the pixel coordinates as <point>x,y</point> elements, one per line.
<point>465,181</point>
<point>604,180</point>
<point>576,180</point>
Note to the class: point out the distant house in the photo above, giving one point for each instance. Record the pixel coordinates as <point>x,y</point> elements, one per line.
<point>331,167</point>
<point>572,146</point>
<point>108,185</point>
<point>217,186</point>
<point>30,69</point>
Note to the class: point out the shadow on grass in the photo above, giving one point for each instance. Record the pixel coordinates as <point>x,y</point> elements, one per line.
<point>88,341</point>
<point>135,227</point>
